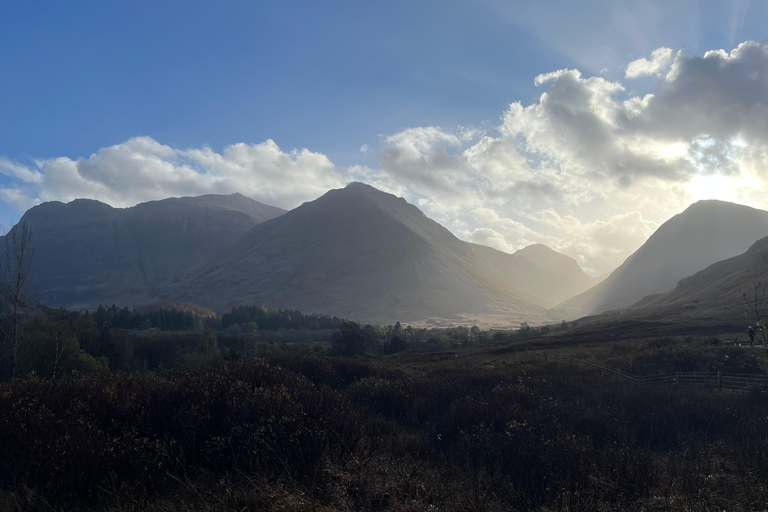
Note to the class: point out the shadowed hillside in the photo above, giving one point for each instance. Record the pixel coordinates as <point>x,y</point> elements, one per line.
<point>363,254</point>
<point>87,252</point>
<point>713,293</point>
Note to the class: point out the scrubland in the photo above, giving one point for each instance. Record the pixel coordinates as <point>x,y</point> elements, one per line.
<point>487,427</point>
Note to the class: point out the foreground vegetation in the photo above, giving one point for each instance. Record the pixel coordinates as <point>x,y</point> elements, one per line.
<point>489,427</point>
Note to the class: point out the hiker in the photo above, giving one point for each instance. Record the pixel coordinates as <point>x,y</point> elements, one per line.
<point>751,333</point>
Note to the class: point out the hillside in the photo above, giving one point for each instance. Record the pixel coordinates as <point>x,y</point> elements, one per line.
<point>363,254</point>
<point>539,274</point>
<point>87,252</point>
<point>713,294</point>
<point>705,233</point>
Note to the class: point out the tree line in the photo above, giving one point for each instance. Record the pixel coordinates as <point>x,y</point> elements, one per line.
<point>276,319</point>
<point>163,319</point>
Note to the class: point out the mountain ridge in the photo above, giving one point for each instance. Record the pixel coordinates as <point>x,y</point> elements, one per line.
<point>375,257</point>
<point>704,233</point>
<point>356,252</point>
<point>714,293</point>
<point>88,252</point>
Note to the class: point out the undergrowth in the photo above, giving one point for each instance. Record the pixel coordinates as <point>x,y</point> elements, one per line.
<point>306,432</point>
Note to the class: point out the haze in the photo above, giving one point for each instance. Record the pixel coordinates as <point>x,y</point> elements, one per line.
<point>583,127</point>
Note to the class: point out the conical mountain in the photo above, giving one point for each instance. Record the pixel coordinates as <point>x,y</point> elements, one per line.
<point>363,254</point>
<point>706,232</point>
<point>715,293</point>
<point>87,252</point>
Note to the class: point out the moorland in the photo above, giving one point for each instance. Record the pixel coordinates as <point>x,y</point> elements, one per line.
<point>468,420</point>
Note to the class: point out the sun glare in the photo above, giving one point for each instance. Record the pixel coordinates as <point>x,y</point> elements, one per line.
<point>674,150</point>
<point>714,187</point>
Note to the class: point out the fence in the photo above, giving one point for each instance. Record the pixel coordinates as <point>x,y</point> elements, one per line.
<point>707,379</point>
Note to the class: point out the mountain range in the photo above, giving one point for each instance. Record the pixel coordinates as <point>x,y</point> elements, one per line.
<point>360,253</point>
<point>355,252</point>
<point>363,254</point>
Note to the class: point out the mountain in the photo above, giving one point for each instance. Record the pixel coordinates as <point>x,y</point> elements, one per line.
<point>539,274</point>
<point>87,252</point>
<point>713,294</point>
<point>705,233</point>
<point>367,255</point>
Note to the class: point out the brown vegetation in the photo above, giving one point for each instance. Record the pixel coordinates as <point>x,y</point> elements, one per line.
<point>484,428</point>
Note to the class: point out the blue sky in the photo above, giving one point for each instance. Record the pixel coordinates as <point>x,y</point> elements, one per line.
<point>328,76</point>
<point>78,77</point>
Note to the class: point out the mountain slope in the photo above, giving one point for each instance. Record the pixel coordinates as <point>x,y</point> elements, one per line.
<point>539,274</point>
<point>706,232</point>
<point>713,293</point>
<point>363,254</point>
<point>87,252</point>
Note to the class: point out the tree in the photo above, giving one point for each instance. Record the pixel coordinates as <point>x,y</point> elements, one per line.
<point>209,344</point>
<point>395,345</point>
<point>350,339</point>
<point>52,349</point>
<point>756,304</point>
<point>17,276</point>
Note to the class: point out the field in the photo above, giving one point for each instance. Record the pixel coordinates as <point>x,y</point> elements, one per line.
<point>494,426</point>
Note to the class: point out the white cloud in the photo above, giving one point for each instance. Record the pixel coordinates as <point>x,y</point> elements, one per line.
<point>19,171</point>
<point>601,244</point>
<point>17,198</point>
<point>491,238</point>
<point>661,59</point>
<point>142,169</point>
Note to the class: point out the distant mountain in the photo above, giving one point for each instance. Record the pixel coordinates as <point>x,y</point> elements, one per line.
<point>705,233</point>
<point>539,274</point>
<point>713,294</point>
<point>87,252</point>
<point>363,254</point>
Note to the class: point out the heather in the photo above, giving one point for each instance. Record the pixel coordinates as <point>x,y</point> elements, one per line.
<point>489,427</point>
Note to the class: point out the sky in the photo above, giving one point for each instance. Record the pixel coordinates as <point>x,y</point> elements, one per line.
<point>581,125</point>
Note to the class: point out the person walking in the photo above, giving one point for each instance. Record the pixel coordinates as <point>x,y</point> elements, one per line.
<point>751,333</point>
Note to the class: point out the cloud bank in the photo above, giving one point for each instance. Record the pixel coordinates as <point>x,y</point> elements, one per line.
<point>589,168</point>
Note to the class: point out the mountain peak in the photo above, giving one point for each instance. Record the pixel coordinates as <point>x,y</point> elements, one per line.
<point>371,191</point>
<point>360,185</point>
<point>536,249</point>
<point>362,254</point>
<point>706,232</point>
<point>713,204</point>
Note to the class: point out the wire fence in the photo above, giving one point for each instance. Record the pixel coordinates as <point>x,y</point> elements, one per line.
<point>718,380</point>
